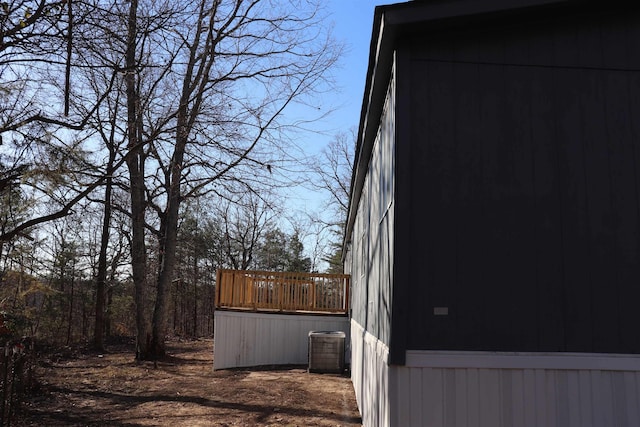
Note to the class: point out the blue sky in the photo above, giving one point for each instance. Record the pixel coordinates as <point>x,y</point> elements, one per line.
<point>353,20</point>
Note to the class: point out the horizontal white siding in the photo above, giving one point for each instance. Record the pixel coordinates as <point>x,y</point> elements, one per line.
<point>370,375</point>
<point>255,339</point>
<point>493,396</point>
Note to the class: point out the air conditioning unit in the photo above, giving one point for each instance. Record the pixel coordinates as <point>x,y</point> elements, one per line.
<point>326,351</point>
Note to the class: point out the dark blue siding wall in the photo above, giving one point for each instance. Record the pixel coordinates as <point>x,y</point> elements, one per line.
<point>525,186</point>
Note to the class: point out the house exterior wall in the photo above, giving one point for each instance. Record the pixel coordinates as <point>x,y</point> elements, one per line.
<point>370,376</point>
<point>516,222</point>
<point>525,158</point>
<point>257,339</point>
<point>488,390</point>
<point>369,260</point>
<point>371,251</point>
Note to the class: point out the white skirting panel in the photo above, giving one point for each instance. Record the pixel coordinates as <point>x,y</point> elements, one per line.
<point>244,339</point>
<point>502,390</point>
<point>482,389</point>
<point>370,375</point>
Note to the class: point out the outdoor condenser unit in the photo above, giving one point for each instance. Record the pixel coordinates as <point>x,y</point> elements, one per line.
<point>326,351</point>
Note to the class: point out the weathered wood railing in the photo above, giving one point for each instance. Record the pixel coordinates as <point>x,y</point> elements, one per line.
<point>282,291</point>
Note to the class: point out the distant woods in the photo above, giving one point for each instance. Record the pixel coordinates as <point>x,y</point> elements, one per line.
<point>48,285</point>
<point>144,144</point>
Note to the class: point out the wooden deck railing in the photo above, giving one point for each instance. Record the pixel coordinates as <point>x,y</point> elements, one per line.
<point>282,291</point>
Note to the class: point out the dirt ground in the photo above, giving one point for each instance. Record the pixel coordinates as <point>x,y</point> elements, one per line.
<point>111,389</point>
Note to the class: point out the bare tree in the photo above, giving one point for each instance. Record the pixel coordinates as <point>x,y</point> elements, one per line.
<point>332,176</point>
<point>38,57</point>
<point>244,222</point>
<point>232,67</point>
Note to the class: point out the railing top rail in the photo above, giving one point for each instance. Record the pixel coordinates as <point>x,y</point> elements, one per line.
<point>294,274</point>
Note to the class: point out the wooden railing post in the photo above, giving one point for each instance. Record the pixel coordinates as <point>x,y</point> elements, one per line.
<point>347,287</point>
<point>217,294</point>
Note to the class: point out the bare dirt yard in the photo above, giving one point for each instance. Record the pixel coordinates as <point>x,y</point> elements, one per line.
<point>111,389</point>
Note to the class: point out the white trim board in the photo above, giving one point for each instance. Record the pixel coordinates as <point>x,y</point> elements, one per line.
<point>506,360</point>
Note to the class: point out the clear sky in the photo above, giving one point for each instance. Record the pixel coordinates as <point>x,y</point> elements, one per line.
<point>353,23</point>
<point>353,20</point>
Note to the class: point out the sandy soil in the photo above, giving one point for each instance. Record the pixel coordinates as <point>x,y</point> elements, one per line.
<point>111,389</point>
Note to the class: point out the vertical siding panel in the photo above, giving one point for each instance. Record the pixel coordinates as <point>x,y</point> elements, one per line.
<point>573,390</point>
<point>506,397</point>
<point>449,393</point>
<point>631,396</point>
<point>562,398</point>
<point>606,396</point>
<point>597,155</point>
<point>467,397</point>
<point>461,402</point>
<point>585,396</point>
<point>489,397</point>
<point>548,220</point>
<point>551,396</point>
<point>625,256</point>
<point>416,396</point>
<point>636,378</point>
<point>518,206</point>
<point>473,398</point>
<point>597,398</point>
<point>405,397</point>
<point>470,316</point>
<point>433,399</point>
<point>620,410</point>
<point>467,143</point>
<point>432,215</point>
<point>532,399</point>
<point>494,153</point>
<point>576,299</point>
<point>518,399</point>
<point>541,397</point>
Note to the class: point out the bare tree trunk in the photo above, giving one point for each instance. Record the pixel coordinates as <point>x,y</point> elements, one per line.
<point>135,164</point>
<point>169,227</point>
<point>107,314</point>
<point>71,296</point>
<point>168,243</point>
<point>195,293</point>
<point>101,279</point>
